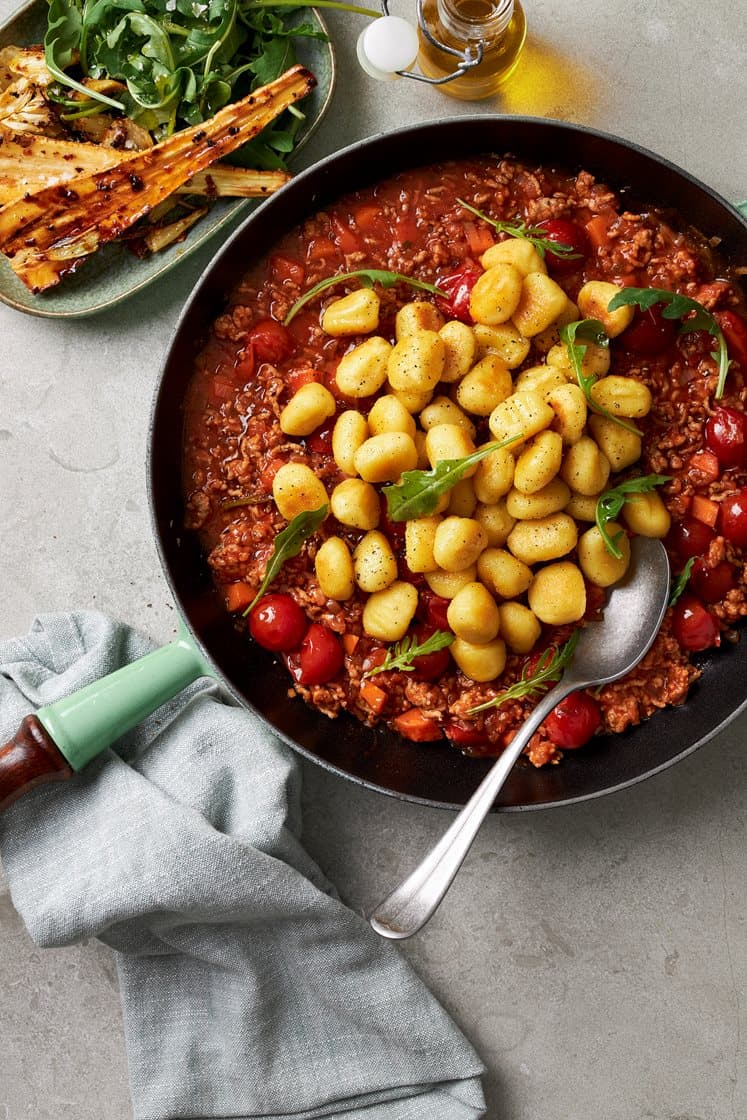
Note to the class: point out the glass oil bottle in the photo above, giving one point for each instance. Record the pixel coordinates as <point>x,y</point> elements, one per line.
<point>499,24</point>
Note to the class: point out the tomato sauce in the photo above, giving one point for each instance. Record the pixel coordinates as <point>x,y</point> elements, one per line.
<point>413,224</point>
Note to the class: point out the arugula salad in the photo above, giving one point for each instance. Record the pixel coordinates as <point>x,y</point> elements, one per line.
<point>175,62</point>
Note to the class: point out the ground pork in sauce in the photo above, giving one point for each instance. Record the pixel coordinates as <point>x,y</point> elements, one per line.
<point>413,224</point>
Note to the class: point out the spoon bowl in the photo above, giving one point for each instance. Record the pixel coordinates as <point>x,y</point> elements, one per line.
<point>634,611</point>
<point>606,651</point>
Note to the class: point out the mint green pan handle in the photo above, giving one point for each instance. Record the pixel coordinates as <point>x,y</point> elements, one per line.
<point>64,737</point>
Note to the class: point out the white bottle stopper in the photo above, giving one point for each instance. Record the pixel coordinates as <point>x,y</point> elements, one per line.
<point>387,45</point>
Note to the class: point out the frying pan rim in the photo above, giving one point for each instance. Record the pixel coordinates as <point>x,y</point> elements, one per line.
<point>313,171</point>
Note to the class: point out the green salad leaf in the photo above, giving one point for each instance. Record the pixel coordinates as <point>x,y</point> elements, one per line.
<point>288,544</point>
<point>368,277</point>
<point>612,501</point>
<point>692,315</point>
<point>61,43</point>
<point>533,234</point>
<point>547,671</point>
<point>589,330</point>
<point>417,494</point>
<point>403,653</point>
<point>680,583</point>
<point>180,60</point>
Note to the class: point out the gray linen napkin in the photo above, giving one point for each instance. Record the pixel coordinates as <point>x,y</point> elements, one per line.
<point>248,991</point>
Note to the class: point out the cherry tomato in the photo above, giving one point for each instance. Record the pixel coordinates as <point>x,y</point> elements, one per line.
<point>691,538</point>
<point>562,231</point>
<point>321,440</point>
<point>271,341</point>
<point>735,332</point>
<point>278,623</point>
<point>726,436</point>
<point>733,518</point>
<point>712,584</point>
<point>573,722</point>
<point>320,657</point>
<point>693,626</point>
<point>465,734</point>
<point>430,666</point>
<point>432,609</point>
<point>649,333</point>
<point>458,287</point>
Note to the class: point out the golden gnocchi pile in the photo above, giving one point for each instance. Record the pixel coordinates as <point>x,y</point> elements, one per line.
<point>500,543</point>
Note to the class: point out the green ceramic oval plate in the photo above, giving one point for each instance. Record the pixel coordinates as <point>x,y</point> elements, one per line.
<point>114,273</point>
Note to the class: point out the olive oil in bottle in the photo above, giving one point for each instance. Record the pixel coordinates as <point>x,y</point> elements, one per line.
<point>500,26</point>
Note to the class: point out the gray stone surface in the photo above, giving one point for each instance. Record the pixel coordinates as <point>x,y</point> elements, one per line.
<point>595,955</point>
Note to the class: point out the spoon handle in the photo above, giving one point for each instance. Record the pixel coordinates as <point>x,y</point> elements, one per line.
<point>413,902</point>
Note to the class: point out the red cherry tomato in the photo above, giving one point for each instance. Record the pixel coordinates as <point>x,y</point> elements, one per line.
<point>726,436</point>
<point>562,231</point>
<point>432,609</point>
<point>691,538</point>
<point>320,657</point>
<point>278,623</point>
<point>732,519</point>
<point>712,585</point>
<point>573,722</point>
<point>430,666</point>
<point>458,287</point>
<point>465,734</point>
<point>649,333</point>
<point>321,440</point>
<point>693,626</point>
<point>271,341</point>
<point>735,333</point>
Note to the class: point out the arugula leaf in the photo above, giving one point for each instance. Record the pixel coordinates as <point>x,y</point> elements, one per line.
<point>180,60</point>
<point>612,501</point>
<point>548,670</point>
<point>61,41</point>
<point>680,583</point>
<point>418,492</point>
<point>590,330</point>
<point>402,654</point>
<point>287,545</point>
<point>693,315</point>
<point>368,277</point>
<point>533,234</point>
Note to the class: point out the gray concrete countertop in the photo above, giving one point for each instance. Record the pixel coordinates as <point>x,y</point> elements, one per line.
<point>594,955</point>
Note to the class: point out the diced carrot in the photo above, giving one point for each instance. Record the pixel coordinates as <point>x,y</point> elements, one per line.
<point>414,725</point>
<point>706,463</point>
<point>367,218</point>
<point>405,228</point>
<point>238,596</point>
<point>478,238</point>
<point>349,643</point>
<point>223,389</point>
<point>374,696</point>
<point>320,249</point>
<point>705,510</point>
<point>267,475</point>
<point>285,268</point>
<point>598,230</point>
<point>345,237</point>
<point>298,377</point>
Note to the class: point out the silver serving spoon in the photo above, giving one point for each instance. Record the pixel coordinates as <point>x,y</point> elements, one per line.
<point>606,650</point>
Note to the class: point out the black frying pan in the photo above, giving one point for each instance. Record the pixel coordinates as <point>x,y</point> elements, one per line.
<point>433,773</point>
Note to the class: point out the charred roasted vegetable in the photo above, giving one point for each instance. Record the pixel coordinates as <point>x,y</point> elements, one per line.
<point>31,162</point>
<point>47,234</point>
